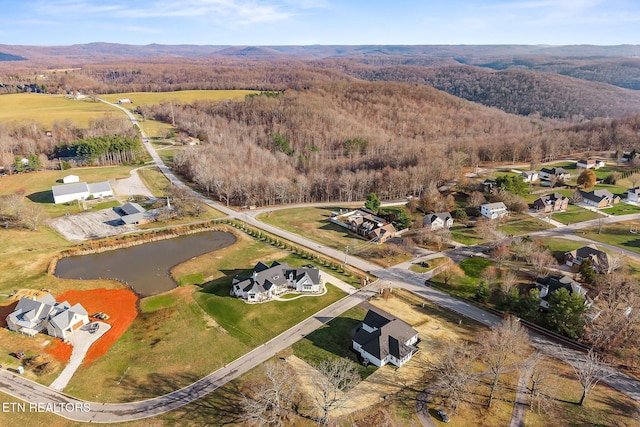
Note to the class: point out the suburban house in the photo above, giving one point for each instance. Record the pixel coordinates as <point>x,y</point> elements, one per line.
<point>555,202</point>
<point>70,178</point>
<point>627,157</point>
<point>382,339</point>
<point>488,185</point>
<point>80,191</point>
<point>590,164</point>
<point>266,282</point>
<point>365,223</point>
<point>59,319</point>
<point>550,284</point>
<point>494,210</point>
<point>558,173</point>
<point>597,198</point>
<point>436,221</point>
<point>133,213</point>
<point>529,176</point>
<point>633,194</point>
<point>599,260</point>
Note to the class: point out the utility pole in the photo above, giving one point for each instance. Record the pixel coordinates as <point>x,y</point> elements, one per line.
<point>346,251</point>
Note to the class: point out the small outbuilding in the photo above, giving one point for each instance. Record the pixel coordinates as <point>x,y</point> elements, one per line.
<point>70,178</point>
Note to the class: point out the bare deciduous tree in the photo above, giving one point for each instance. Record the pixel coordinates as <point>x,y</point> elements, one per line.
<point>589,370</point>
<point>332,381</point>
<point>542,261</point>
<point>476,199</point>
<point>537,382</point>
<point>31,216</point>
<point>502,346</point>
<point>509,279</point>
<point>454,373</point>
<point>271,401</point>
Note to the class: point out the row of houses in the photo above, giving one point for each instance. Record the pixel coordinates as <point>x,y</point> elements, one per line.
<point>556,202</point>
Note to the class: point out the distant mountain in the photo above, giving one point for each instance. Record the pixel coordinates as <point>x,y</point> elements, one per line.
<point>9,57</point>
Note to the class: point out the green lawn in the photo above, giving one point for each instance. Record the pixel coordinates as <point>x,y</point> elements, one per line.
<point>47,109</point>
<point>254,324</point>
<point>464,286</point>
<point>574,214</point>
<point>465,235</point>
<point>558,246</point>
<point>622,209</point>
<point>333,340</point>
<point>618,234</point>
<point>523,224</point>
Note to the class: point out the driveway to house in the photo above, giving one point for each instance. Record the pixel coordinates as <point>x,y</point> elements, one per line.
<point>81,340</point>
<point>132,186</point>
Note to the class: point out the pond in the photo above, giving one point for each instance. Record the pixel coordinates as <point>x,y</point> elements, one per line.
<point>144,267</point>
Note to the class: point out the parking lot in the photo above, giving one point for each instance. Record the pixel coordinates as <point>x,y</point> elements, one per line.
<point>90,225</point>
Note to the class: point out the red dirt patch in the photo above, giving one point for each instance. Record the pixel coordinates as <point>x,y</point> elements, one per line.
<point>119,304</point>
<point>60,350</point>
<point>5,310</point>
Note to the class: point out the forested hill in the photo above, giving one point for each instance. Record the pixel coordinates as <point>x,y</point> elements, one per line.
<point>515,91</point>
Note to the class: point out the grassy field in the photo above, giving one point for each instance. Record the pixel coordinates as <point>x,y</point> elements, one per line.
<point>333,340</point>
<point>185,96</point>
<point>574,214</point>
<point>465,235</point>
<point>47,109</point>
<point>466,285</point>
<point>37,185</point>
<point>558,246</point>
<point>254,324</point>
<point>622,209</point>
<point>523,224</point>
<point>314,224</point>
<point>431,264</point>
<point>154,180</point>
<point>616,234</point>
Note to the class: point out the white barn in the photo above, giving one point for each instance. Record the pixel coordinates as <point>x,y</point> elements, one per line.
<point>80,191</point>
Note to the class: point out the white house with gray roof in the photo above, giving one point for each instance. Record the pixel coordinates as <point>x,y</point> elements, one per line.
<point>494,210</point>
<point>382,339</point>
<point>59,319</point>
<point>266,282</point>
<point>80,191</point>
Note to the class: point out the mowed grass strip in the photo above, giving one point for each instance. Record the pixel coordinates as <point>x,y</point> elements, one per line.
<point>618,234</point>
<point>574,214</point>
<point>188,96</point>
<point>523,225</point>
<point>47,109</point>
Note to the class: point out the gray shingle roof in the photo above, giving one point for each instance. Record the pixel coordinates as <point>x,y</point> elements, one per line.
<point>388,338</point>
<point>73,188</point>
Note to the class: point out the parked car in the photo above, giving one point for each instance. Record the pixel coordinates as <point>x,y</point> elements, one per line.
<point>93,327</point>
<point>444,417</point>
<point>98,315</point>
<point>20,355</point>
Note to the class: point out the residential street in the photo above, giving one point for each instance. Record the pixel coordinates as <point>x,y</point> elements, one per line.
<point>396,277</point>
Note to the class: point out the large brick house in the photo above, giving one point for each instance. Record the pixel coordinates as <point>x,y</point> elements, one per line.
<point>555,202</point>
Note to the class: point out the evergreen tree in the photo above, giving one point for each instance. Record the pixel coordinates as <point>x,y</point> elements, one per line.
<point>372,203</point>
<point>566,313</point>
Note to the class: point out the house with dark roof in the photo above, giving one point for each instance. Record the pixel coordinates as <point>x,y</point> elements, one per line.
<point>436,221</point>
<point>600,260</point>
<point>550,284</point>
<point>597,198</point>
<point>633,194</point>
<point>383,338</point>
<point>133,213</point>
<point>557,172</point>
<point>34,315</point>
<point>555,202</point>
<point>269,281</point>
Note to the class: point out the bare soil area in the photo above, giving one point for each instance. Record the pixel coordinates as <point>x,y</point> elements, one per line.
<point>132,186</point>
<point>90,225</point>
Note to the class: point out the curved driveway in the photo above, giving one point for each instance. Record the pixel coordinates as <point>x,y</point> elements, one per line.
<point>397,277</point>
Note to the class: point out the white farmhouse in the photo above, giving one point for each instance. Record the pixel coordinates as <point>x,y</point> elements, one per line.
<point>494,210</point>
<point>383,339</point>
<point>59,319</point>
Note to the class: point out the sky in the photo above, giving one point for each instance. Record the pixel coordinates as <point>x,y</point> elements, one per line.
<point>325,22</point>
